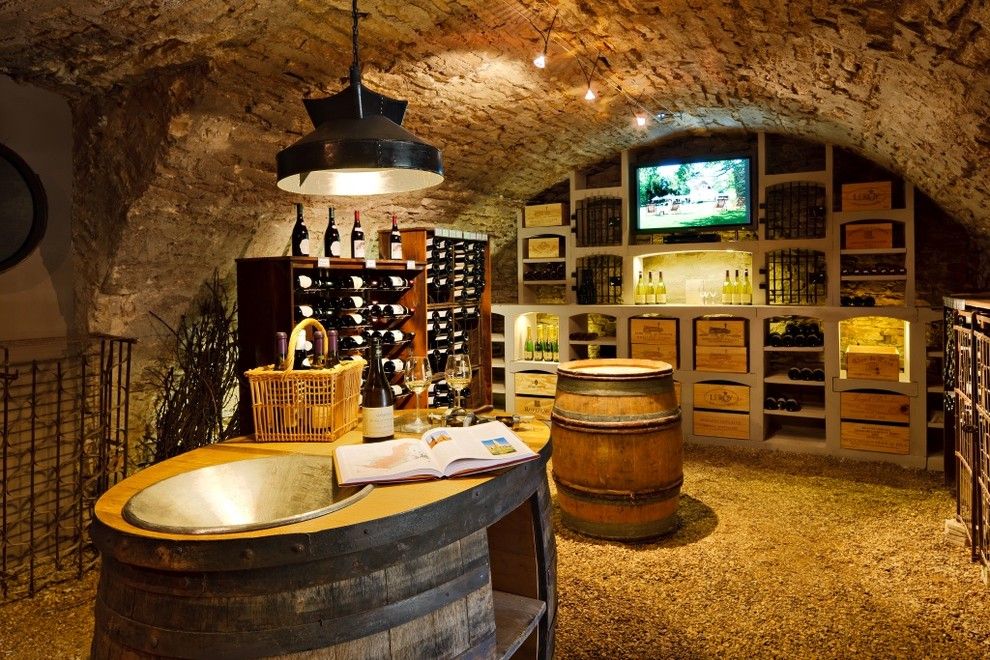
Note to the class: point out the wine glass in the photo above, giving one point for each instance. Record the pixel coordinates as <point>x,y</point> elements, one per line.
<point>458,374</point>
<point>418,376</point>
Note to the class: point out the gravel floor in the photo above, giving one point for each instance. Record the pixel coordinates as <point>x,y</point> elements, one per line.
<point>777,556</point>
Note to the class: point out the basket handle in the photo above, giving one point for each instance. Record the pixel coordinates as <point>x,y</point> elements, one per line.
<point>294,339</point>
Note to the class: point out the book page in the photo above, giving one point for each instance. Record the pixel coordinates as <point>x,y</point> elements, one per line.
<point>474,447</point>
<point>385,461</point>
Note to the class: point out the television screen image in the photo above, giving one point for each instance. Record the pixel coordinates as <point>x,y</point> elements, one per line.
<point>702,195</point>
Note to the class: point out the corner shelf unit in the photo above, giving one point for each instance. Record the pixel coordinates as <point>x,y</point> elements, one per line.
<point>809,241</point>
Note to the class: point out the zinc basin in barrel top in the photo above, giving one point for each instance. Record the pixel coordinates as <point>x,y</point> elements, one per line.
<point>412,570</point>
<point>249,494</point>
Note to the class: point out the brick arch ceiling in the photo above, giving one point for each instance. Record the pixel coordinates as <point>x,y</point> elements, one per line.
<point>906,84</point>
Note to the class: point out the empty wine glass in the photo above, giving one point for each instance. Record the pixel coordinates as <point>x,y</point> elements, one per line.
<point>458,374</point>
<point>418,376</point>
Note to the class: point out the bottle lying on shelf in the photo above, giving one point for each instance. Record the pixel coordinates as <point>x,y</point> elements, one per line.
<point>787,404</point>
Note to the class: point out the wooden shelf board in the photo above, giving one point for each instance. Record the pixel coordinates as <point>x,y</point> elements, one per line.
<point>498,363</point>
<point>794,349</point>
<point>936,388</point>
<point>545,282</point>
<point>808,412</point>
<point>545,260</point>
<point>498,336</point>
<point>782,379</point>
<point>498,388</point>
<point>873,278</point>
<point>515,618</point>
<point>901,386</point>
<point>603,341</point>
<point>935,354</point>
<point>801,440</point>
<point>876,251</point>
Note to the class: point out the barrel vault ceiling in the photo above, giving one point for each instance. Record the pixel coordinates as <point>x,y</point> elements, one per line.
<point>180,106</point>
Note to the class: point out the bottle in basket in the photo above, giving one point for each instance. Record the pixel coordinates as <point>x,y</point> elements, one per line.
<point>377,399</point>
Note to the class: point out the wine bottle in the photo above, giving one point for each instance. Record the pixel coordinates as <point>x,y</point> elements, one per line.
<point>306,283</point>
<point>661,289</point>
<point>791,405</point>
<point>318,358</point>
<point>281,350</point>
<point>538,346</point>
<point>350,319</point>
<point>807,374</point>
<point>331,237</point>
<point>300,235</point>
<point>736,290</point>
<point>727,290</point>
<point>528,346</point>
<point>770,403</point>
<point>794,373</point>
<point>394,241</point>
<point>818,374</point>
<point>357,238</point>
<point>352,342</point>
<point>651,292</point>
<point>747,289</point>
<point>299,360</point>
<point>377,400</point>
<point>332,358</point>
<point>391,366</point>
<point>774,339</point>
<point>555,347</point>
<point>640,291</point>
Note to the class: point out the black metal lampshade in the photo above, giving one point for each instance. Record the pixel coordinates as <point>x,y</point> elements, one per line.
<point>358,146</point>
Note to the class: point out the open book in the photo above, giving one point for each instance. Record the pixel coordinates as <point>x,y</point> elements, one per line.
<point>440,452</point>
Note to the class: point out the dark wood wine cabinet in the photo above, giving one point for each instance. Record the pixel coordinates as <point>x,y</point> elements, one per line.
<point>267,298</point>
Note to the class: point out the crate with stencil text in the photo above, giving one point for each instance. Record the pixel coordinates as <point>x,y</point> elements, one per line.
<point>721,331</point>
<point>716,424</point>
<point>545,215</point>
<point>884,438</point>
<point>873,196</point>
<point>876,362</point>
<point>538,384</point>
<point>654,338</point>
<point>545,247</point>
<point>868,236</point>
<point>725,359</point>
<point>537,406</point>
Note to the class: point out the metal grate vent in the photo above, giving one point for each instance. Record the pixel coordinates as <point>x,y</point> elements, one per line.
<point>598,221</point>
<point>796,277</point>
<point>795,210</point>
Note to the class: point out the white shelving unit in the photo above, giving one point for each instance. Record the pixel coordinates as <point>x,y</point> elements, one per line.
<point>816,427</point>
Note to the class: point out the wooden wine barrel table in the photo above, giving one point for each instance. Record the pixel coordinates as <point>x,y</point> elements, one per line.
<point>618,448</point>
<point>461,567</point>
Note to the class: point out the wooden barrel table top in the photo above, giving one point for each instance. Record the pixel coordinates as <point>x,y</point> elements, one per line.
<point>396,522</point>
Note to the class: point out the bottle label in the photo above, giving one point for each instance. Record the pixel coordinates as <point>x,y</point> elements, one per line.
<point>378,422</point>
<point>304,247</point>
<point>396,250</point>
<point>335,249</point>
<point>358,249</point>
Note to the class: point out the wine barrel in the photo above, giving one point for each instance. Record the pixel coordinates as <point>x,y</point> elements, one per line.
<point>427,569</point>
<point>617,448</point>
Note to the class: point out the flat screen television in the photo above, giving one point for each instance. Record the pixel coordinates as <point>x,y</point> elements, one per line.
<point>691,195</point>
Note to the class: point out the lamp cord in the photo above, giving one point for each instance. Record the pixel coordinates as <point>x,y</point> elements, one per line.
<point>356,63</point>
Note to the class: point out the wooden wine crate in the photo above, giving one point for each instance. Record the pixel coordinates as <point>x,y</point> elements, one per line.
<point>663,352</point>
<point>869,236</point>
<point>540,384</point>
<point>885,438</point>
<point>874,406</point>
<point>544,248</point>
<point>721,424</point>
<point>872,196</point>
<point>721,396</point>
<point>876,362</point>
<point>538,407</point>
<point>653,331</point>
<point>720,332</point>
<point>545,215</point>
<point>728,359</point>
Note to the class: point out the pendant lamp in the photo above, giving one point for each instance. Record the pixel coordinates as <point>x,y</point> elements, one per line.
<point>358,146</point>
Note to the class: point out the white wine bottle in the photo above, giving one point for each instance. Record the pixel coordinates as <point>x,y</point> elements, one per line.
<point>538,347</point>
<point>528,346</point>
<point>377,400</point>
<point>661,289</point>
<point>736,289</point>
<point>727,290</point>
<point>639,294</point>
<point>651,293</point>
<point>747,289</point>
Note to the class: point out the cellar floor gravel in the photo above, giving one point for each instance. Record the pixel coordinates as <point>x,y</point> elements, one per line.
<point>777,555</point>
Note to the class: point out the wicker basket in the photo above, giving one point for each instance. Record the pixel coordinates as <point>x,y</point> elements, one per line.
<point>315,405</point>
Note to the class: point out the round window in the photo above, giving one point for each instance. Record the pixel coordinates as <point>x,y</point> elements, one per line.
<point>23,209</point>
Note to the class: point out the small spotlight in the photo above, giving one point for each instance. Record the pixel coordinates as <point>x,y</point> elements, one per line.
<point>640,120</point>
<point>540,61</point>
<point>589,95</point>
